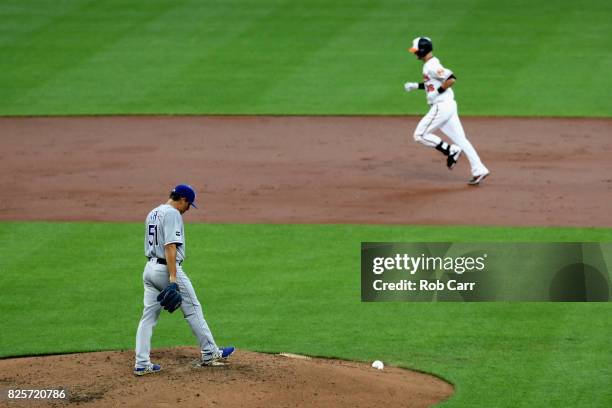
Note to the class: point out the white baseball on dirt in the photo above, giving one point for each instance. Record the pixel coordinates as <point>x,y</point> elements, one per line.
<point>378,365</point>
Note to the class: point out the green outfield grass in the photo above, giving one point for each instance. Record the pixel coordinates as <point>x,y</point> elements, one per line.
<point>296,288</point>
<point>301,57</point>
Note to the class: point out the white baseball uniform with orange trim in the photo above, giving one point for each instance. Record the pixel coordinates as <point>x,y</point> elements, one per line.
<point>443,115</point>
<point>434,75</point>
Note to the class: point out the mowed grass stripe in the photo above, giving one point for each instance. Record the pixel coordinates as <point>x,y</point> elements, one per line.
<point>311,57</point>
<point>45,64</point>
<point>568,353</point>
<point>77,287</point>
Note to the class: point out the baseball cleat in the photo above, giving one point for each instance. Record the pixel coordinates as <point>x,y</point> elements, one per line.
<point>226,352</point>
<point>453,158</point>
<point>477,179</point>
<point>218,358</point>
<point>150,369</point>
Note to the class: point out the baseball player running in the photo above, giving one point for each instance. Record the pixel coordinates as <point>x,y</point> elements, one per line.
<point>437,82</point>
<point>166,284</point>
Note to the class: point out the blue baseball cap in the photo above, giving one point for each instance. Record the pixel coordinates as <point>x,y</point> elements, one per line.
<point>185,190</point>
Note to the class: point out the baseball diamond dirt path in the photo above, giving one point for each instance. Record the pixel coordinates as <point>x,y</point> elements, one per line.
<point>305,170</point>
<point>251,380</point>
<point>284,170</point>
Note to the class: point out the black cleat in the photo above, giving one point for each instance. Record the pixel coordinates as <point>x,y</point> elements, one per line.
<point>453,158</point>
<point>477,179</point>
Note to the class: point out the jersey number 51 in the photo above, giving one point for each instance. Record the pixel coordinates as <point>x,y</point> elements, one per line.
<point>153,234</point>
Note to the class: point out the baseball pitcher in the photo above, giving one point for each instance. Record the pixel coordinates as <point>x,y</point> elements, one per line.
<point>437,83</point>
<point>167,286</point>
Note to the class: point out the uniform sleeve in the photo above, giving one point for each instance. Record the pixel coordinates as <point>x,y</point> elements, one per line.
<point>173,227</point>
<point>440,73</point>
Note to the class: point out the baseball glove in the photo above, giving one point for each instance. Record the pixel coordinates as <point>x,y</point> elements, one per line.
<point>170,298</point>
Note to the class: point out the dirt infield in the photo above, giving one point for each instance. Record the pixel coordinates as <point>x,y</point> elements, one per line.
<point>284,170</point>
<point>251,380</point>
<point>304,170</point>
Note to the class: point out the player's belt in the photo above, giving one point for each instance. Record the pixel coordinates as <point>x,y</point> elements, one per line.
<point>162,261</point>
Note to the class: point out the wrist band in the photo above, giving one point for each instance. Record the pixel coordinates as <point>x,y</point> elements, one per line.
<point>421,85</point>
<point>441,90</point>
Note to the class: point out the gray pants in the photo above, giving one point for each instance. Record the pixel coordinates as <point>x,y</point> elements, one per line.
<point>155,278</point>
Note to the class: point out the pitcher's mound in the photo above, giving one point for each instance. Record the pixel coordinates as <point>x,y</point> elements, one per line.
<point>105,379</point>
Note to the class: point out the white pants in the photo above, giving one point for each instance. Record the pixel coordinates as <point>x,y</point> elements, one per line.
<point>444,116</point>
<point>155,278</point>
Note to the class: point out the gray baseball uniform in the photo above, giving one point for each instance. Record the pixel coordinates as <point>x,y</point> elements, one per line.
<point>163,226</point>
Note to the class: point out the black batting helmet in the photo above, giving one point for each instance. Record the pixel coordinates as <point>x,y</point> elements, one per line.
<point>421,46</point>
